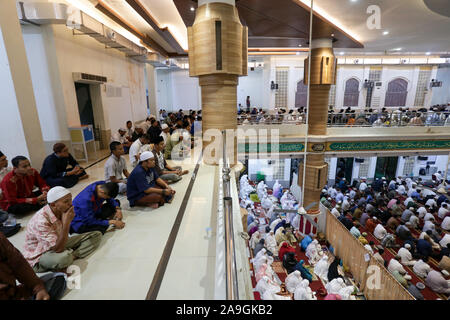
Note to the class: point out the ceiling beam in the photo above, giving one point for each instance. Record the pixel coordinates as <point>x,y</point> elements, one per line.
<point>163,32</point>
<point>109,12</point>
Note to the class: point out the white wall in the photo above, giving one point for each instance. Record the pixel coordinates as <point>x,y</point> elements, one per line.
<point>442,95</point>
<point>84,54</point>
<point>46,82</point>
<point>186,92</point>
<point>164,90</point>
<point>253,86</point>
<point>12,141</point>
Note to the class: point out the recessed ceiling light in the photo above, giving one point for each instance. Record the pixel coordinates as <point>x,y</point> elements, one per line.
<point>428,53</point>
<point>397,49</point>
<point>332,34</point>
<point>386,33</point>
<point>341,53</point>
<point>192,9</point>
<point>299,45</point>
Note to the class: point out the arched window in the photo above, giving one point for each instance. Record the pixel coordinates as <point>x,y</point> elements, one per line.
<point>351,94</point>
<point>396,93</point>
<point>301,95</point>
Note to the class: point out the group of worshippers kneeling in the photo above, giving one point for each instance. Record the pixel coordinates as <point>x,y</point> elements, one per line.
<point>88,216</point>
<point>402,207</point>
<point>279,239</point>
<point>297,282</point>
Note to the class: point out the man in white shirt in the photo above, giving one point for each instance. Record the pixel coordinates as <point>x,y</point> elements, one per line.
<point>135,149</point>
<point>421,268</point>
<point>115,166</point>
<point>428,225</point>
<point>332,192</point>
<point>446,224</point>
<point>363,185</point>
<point>431,203</point>
<point>426,192</point>
<point>165,133</point>
<point>407,201</point>
<point>335,212</point>
<point>429,216</point>
<point>445,240</point>
<point>412,189</point>
<point>379,232</point>
<point>443,210</point>
<point>401,189</point>
<point>422,211</point>
<point>120,136</point>
<point>405,255</point>
<point>414,220</point>
<point>395,265</point>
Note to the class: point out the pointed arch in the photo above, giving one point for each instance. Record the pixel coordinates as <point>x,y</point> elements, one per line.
<point>351,93</point>
<point>396,93</point>
<point>301,95</point>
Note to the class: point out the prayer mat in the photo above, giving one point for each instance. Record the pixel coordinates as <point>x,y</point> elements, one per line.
<point>311,270</point>
<point>278,268</point>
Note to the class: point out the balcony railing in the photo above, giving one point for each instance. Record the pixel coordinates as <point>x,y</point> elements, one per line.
<point>360,119</point>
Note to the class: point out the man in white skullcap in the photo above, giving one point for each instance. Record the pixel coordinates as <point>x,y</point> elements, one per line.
<point>120,136</point>
<point>144,186</point>
<point>165,133</point>
<point>47,244</point>
<point>405,255</point>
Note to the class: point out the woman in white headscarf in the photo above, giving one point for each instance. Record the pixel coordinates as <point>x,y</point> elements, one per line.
<point>264,271</point>
<point>254,239</point>
<point>335,285</point>
<point>303,291</point>
<point>265,284</point>
<point>321,267</point>
<point>312,252</point>
<point>271,243</point>
<point>293,280</point>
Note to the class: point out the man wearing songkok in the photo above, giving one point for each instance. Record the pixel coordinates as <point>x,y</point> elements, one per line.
<point>55,172</point>
<point>47,244</point>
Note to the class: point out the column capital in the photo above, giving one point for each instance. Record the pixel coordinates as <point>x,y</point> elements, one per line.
<point>202,2</point>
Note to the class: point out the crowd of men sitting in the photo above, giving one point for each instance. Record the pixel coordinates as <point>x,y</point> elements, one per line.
<point>94,211</point>
<point>403,215</point>
<point>438,115</point>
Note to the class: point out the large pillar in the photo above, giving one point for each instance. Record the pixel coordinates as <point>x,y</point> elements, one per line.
<point>323,75</point>
<point>218,56</point>
<point>17,79</point>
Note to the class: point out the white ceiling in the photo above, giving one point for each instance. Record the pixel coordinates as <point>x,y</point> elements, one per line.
<point>411,25</point>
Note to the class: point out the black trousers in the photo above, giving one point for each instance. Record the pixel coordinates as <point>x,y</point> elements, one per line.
<point>107,212</point>
<point>55,285</point>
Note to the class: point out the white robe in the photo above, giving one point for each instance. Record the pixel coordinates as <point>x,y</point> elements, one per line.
<point>293,280</point>
<point>313,253</point>
<point>346,292</point>
<point>256,237</point>
<point>321,268</point>
<point>271,243</point>
<point>303,291</point>
<point>296,222</point>
<point>274,223</point>
<point>266,203</point>
<point>266,284</point>
<point>334,286</point>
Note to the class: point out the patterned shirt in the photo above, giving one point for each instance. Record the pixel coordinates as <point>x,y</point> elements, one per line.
<point>41,235</point>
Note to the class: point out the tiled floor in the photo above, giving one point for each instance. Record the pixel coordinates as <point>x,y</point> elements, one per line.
<point>124,265</point>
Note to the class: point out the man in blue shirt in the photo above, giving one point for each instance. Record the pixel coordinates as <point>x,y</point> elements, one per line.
<point>144,187</point>
<point>91,213</point>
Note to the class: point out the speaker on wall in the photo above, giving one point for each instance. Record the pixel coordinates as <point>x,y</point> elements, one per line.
<point>422,158</point>
<point>357,160</point>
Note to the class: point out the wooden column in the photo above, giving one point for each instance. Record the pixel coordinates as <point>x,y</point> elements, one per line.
<point>218,56</point>
<point>323,75</point>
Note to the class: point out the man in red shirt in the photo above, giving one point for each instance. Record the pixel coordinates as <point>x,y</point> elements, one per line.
<point>18,186</point>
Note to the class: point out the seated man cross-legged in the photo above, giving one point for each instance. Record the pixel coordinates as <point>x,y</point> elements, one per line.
<point>54,170</point>
<point>18,188</point>
<point>48,245</point>
<point>92,214</point>
<point>145,188</point>
<point>115,166</point>
<point>165,172</point>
